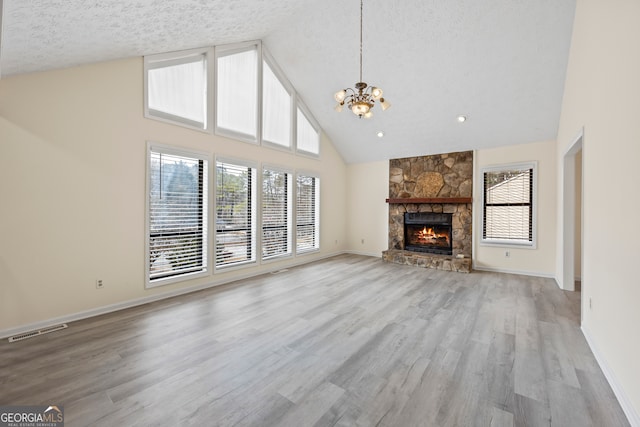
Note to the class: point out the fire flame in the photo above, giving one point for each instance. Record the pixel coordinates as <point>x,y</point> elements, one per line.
<point>429,234</point>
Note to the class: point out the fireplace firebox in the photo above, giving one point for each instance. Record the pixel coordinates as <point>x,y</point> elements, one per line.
<point>428,232</point>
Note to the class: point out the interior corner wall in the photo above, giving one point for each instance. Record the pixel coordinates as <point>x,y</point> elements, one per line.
<point>577,262</point>
<point>368,188</point>
<point>601,97</point>
<point>541,260</point>
<point>72,185</point>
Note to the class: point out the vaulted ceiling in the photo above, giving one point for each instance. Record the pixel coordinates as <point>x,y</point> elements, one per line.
<point>501,63</point>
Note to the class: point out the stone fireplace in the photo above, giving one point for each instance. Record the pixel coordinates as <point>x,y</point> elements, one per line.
<point>430,211</point>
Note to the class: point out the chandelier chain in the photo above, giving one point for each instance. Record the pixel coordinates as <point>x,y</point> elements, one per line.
<point>361,40</point>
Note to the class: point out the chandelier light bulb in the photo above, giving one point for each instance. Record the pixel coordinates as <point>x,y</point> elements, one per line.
<point>368,114</point>
<point>384,104</point>
<point>339,106</point>
<point>340,95</point>
<point>376,92</point>
<point>360,108</point>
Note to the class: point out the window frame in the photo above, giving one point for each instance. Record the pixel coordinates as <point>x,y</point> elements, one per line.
<point>290,212</point>
<point>523,244</point>
<point>317,216</point>
<point>231,49</point>
<point>254,202</point>
<point>210,97</point>
<point>161,60</point>
<point>299,105</point>
<point>206,214</point>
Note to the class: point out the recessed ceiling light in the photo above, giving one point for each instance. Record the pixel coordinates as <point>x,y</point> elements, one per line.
<point>380,134</point>
<point>462,119</point>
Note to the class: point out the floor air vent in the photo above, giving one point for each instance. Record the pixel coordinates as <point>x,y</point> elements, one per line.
<point>35,333</point>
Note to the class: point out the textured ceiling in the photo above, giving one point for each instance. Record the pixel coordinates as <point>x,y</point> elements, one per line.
<point>501,63</point>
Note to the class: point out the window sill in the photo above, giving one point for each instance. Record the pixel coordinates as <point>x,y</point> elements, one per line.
<point>508,244</point>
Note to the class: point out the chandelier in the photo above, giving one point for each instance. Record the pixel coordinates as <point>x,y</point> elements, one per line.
<point>361,99</point>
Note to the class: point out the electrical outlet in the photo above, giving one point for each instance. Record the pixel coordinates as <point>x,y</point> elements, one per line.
<point>99,284</point>
<point>507,254</point>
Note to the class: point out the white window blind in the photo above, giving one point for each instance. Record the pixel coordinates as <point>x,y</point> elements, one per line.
<point>508,205</point>
<point>237,92</point>
<point>276,213</point>
<point>307,137</point>
<point>307,213</point>
<point>277,102</point>
<point>177,215</point>
<point>235,218</point>
<point>177,89</point>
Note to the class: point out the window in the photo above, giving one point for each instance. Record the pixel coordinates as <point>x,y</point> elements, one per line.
<point>276,213</point>
<point>308,134</point>
<point>250,98</point>
<point>508,210</point>
<point>176,88</point>
<point>237,92</point>
<point>307,213</point>
<point>177,214</point>
<point>235,213</point>
<point>277,105</point>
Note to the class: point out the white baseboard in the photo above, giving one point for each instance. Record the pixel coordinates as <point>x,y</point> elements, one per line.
<point>625,403</point>
<point>377,254</point>
<point>85,314</point>
<point>520,272</point>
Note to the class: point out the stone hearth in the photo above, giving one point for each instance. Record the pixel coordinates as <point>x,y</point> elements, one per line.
<point>418,259</point>
<point>445,177</point>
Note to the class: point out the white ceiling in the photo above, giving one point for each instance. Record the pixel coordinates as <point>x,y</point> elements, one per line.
<point>501,63</point>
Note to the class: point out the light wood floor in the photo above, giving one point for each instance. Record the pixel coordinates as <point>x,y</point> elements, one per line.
<point>349,341</point>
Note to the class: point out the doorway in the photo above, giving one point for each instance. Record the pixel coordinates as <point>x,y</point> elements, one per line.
<point>572,201</point>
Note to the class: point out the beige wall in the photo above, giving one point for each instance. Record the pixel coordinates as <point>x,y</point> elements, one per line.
<point>72,185</point>
<point>601,95</point>
<point>541,260</point>
<point>368,187</point>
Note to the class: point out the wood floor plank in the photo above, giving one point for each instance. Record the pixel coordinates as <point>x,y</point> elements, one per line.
<point>601,402</point>
<point>500,372</point>
<point>568,406</point>
<point>500,418</point>
<point>311,409</point>
<point>345,341</point>
<point>557,359</point>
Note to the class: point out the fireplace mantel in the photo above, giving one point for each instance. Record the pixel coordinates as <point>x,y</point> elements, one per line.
<point>443,200</point>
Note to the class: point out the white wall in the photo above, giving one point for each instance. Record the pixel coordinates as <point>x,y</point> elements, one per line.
<point>72,185</point>
<point>601,95</point>
<point>368,222</point>
<point>541,260</point>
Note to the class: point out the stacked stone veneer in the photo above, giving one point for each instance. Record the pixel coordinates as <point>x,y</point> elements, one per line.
<point>438,176</point>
